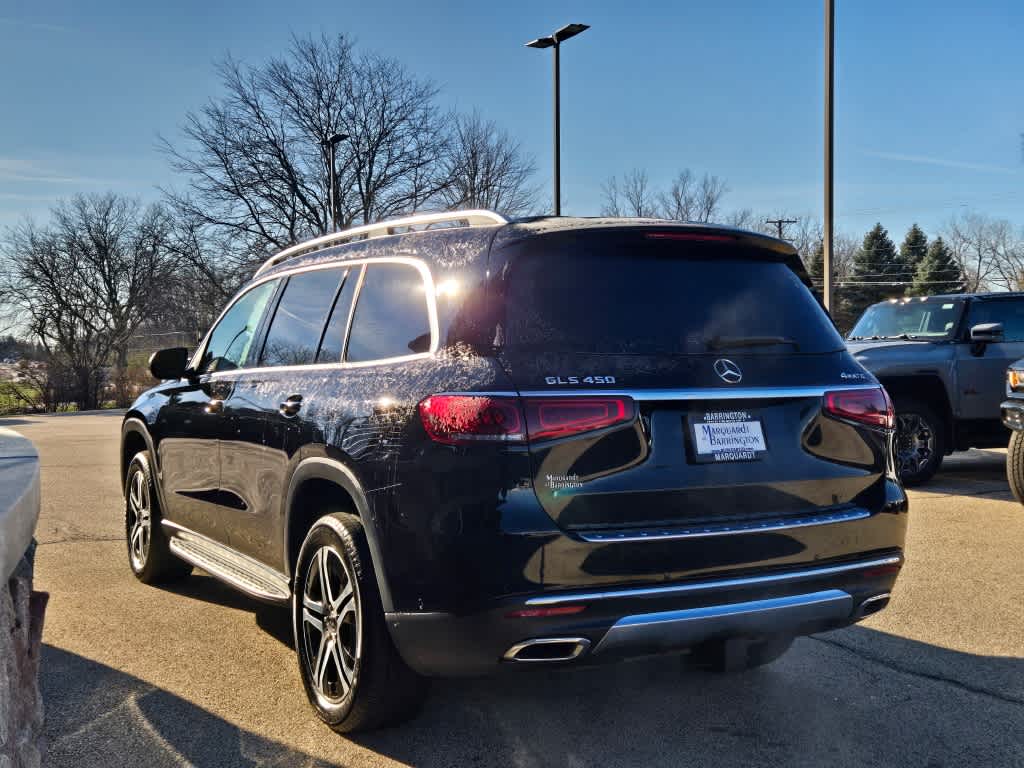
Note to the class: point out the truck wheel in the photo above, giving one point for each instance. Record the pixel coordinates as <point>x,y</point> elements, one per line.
<point>1015,465</point>
<point>351,670</point>
<point>920,442</point>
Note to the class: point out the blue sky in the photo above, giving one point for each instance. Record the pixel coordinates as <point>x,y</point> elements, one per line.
<point>930,103</point>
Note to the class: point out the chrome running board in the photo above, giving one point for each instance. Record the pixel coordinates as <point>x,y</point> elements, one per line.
<point>233,568</point>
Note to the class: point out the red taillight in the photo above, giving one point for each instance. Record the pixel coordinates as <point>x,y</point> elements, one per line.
<point>866,406</point>
<point>551,417</point>
<point>458,419</point>
<point>699,236</point>
<point>455,419</point>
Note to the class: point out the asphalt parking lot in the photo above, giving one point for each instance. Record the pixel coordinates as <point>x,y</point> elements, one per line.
<point>198,675</point>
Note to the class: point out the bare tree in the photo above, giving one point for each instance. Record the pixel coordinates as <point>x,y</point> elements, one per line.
<point>691,199</point>
<point>633,197</point>
<point>970,237</point>
<point>84,284</point>
<point>486,168</point>
<point>256,161</point>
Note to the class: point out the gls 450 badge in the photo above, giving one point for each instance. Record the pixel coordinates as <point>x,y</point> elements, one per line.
<point>579,379</point>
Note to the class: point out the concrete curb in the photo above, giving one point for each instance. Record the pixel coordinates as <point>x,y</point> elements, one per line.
<point>19,498</point>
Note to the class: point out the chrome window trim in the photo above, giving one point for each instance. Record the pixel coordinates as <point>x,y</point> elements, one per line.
<point>428,286</point>
<point>701,586</point>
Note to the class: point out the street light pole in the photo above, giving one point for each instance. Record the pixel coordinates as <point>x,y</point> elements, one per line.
<point>331,143</point>
<point>830,49</point>
<point>555,41</point>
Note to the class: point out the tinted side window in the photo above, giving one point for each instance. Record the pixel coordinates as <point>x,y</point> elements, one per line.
<point>334,336</point>
<point>1009,312</point>
<point>231,339</point>
<point>299,319</point>
<point>391,317</point>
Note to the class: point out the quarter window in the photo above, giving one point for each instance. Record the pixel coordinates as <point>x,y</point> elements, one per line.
<point>294,332</point>
<point>232,337</point>
<point>391,317</point>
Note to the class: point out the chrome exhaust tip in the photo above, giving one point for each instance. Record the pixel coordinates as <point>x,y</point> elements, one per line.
<point>548,649</point>
<point>872,605</point>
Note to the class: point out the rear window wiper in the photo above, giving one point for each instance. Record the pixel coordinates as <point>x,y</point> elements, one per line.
<point>734,342</point>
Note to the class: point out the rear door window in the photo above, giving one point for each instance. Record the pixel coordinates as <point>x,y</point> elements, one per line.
<point>392,317</point>
<point>609,293</point>
<point>294,333</point>
<point>1009,312</point>
<point>334,335</point>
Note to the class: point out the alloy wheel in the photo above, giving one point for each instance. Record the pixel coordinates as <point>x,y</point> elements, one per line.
<point>331,635</point>
<point>915,443</point>
<point>138,521</point>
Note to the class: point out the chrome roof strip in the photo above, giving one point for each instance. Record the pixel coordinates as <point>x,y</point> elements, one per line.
<point>472,218</point>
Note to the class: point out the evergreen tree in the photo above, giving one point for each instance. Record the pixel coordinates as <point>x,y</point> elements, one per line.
<point>938,272</point>
<point>816,263</point>
<point>912,251</point>
<point>875,267</point>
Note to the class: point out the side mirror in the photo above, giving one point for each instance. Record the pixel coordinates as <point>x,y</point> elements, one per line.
<point>169,363</point>
<point>987,333</point>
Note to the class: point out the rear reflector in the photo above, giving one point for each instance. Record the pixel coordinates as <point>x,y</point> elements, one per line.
<point>462,419</point>
<point>865,406</point>
<point>532,613</point>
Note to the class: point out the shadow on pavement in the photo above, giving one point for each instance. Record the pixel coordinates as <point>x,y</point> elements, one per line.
<point>97,716</point>
<point>850,698</point>
<point>275,620</point>
<point>980,474</point>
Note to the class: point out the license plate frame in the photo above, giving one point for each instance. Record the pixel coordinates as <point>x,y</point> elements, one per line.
<point>740,431</point>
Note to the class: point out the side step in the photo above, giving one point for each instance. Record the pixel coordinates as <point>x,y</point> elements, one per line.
<point>237,570</point>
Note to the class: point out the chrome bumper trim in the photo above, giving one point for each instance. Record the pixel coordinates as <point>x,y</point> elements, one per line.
<point>685,628</point>
<point>701,586</point>
<point>663,534</point>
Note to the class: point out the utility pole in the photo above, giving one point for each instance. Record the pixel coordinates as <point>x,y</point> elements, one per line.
<point>830,57</point>
<point>779,223</point>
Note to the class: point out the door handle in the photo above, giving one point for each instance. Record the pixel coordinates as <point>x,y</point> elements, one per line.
<point>291,406</point>
<point>214,406</point>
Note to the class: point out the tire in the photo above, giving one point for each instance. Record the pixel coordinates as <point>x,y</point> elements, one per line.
<point>149,553</point>
<point>1015,465</point>
<point>739,654</point>
<point>351,670</point>
<point>920,442</point>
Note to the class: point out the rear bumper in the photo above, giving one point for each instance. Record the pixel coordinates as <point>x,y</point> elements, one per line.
<point>617,623</point>
<point>1012,412</point>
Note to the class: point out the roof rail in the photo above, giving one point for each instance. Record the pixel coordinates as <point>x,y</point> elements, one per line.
<point>472,218</point>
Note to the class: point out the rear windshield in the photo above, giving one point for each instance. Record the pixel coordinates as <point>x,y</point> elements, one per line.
<point>632,296</point>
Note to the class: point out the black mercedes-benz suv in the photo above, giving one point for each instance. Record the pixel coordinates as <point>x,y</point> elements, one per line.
<point>452,443</point>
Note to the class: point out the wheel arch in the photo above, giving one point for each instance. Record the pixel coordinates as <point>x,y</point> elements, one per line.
<point>135,437</point>
<point>929,389</point>
<point>316,480</point>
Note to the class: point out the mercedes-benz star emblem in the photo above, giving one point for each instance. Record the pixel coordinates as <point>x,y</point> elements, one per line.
<point>728,371</point>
